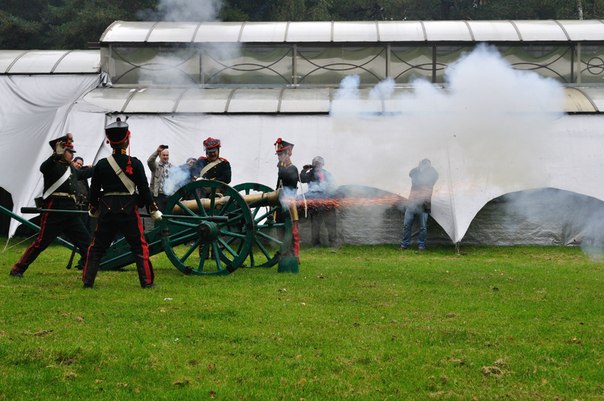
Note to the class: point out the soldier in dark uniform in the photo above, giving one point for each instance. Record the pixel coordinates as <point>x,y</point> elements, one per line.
<point>83,191</point>
<point>211,166</point>
<point>287,182</point>
<point>287,176</point>
<point>60,183</point>
<point>118,183</point>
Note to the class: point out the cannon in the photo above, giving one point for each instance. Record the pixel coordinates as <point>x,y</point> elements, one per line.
<point>233,224</point>
<point>210,228</point>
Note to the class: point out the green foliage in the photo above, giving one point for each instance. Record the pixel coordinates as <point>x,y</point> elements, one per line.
<point>72,24</point>
<point>357,323</point>
<point>18,33</point>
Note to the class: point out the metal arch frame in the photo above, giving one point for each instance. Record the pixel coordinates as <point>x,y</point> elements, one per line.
<point>387,53</point>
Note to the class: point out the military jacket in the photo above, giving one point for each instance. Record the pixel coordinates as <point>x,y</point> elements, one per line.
<point>287,176</point>
<point>53,169</point>
<point>220,172</point>
<point>106,180</point>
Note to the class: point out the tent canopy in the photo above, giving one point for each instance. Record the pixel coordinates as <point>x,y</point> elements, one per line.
<point>50,62</point>
<point>278,101</point>
<point>360,31</point>
<point>372,98</point>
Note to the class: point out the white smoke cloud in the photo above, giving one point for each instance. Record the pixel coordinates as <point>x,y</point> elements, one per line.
<point>178,176</point>
<point>347,100</point>
<point>168,70</point>
<point>497,115</point>
<point>383,90</point>
<point>180,66</point>
<point>189,10</point>
<point>491,121</point>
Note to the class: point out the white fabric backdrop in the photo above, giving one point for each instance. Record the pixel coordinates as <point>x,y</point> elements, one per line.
<point>34,110</point>
<point>374,151</point>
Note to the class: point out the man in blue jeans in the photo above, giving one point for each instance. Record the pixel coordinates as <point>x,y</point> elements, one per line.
<point>423,178</point>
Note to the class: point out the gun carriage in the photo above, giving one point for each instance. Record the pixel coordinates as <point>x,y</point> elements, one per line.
<point>210,228</point>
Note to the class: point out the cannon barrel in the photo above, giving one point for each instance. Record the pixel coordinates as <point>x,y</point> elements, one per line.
<point>253,200</point>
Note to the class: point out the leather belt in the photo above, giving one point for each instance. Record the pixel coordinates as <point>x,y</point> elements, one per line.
<point>64,195</point>
<point>118,194</point>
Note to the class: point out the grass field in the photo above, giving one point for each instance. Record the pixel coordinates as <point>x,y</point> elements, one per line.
<point>357,323</point>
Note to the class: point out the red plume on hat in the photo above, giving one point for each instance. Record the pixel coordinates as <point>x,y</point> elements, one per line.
<point>66,140</point>
<point>281,145</point>
<point>211,143</point>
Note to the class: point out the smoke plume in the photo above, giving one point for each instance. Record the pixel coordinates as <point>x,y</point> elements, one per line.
<point>178,176</point>
<point>184,10</point>
<point>486,130</point>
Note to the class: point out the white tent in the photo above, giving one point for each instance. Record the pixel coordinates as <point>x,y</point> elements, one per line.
<point>489,130</point>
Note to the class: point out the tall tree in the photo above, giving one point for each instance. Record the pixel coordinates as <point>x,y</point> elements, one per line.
<point>72,24</point>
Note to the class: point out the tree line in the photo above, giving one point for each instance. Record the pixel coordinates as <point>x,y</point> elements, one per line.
<point>78,24</point>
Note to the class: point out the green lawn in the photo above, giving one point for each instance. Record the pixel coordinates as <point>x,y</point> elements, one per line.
<point>357,323</point>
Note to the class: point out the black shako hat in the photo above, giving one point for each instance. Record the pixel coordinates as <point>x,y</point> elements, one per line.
<point>211,144</point>
<point>67,141</point>
<point>117,132</point>
<point>281,145</point>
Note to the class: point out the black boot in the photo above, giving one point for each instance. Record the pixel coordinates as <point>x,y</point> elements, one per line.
<point>90,271</point>
<point>146,276</point>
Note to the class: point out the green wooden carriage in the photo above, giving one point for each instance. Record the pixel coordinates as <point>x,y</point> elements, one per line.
<point>210,228</point>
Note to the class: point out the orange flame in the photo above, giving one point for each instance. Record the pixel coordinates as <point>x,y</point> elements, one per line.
<point>388,200</point>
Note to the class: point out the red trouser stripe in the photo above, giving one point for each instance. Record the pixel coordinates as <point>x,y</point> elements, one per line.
<point>38,240</point>
<point>88,254</point>
<point>296,239</point>
<point>145,248</point>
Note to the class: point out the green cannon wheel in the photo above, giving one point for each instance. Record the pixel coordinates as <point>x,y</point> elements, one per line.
<point>209,229</point>
<point>270,236</point>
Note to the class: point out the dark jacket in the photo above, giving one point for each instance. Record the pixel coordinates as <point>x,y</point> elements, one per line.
<point>106,180</point>
<point>220,172</point>
<point>422,184</point>
<point>320,182</point>
<point>287,177</point>
<point>53,169</point>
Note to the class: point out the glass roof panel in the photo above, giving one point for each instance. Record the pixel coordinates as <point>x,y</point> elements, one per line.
<point>127,31</point>
<point>154,100</point>
<point>596,95</point>
<point>197,100</point>
<point>112,99</point>
<point>218,32</point>
<point>80,61</point>
<point>305,100</point>
<point>37,62</point>
<point>576,101</point>
<point>309,32</point>
<point>447,31</point>
<point>355,32</point>
<point>7,57</point>
<point>50,61</point>
<point>359,31</point>
<point>395,31</point>
<point>255,101</point>
<point>539,30</point>
<point>484,31</point>
<point>264,32</point>
<point>173,32</point>
<point>584,30</point>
